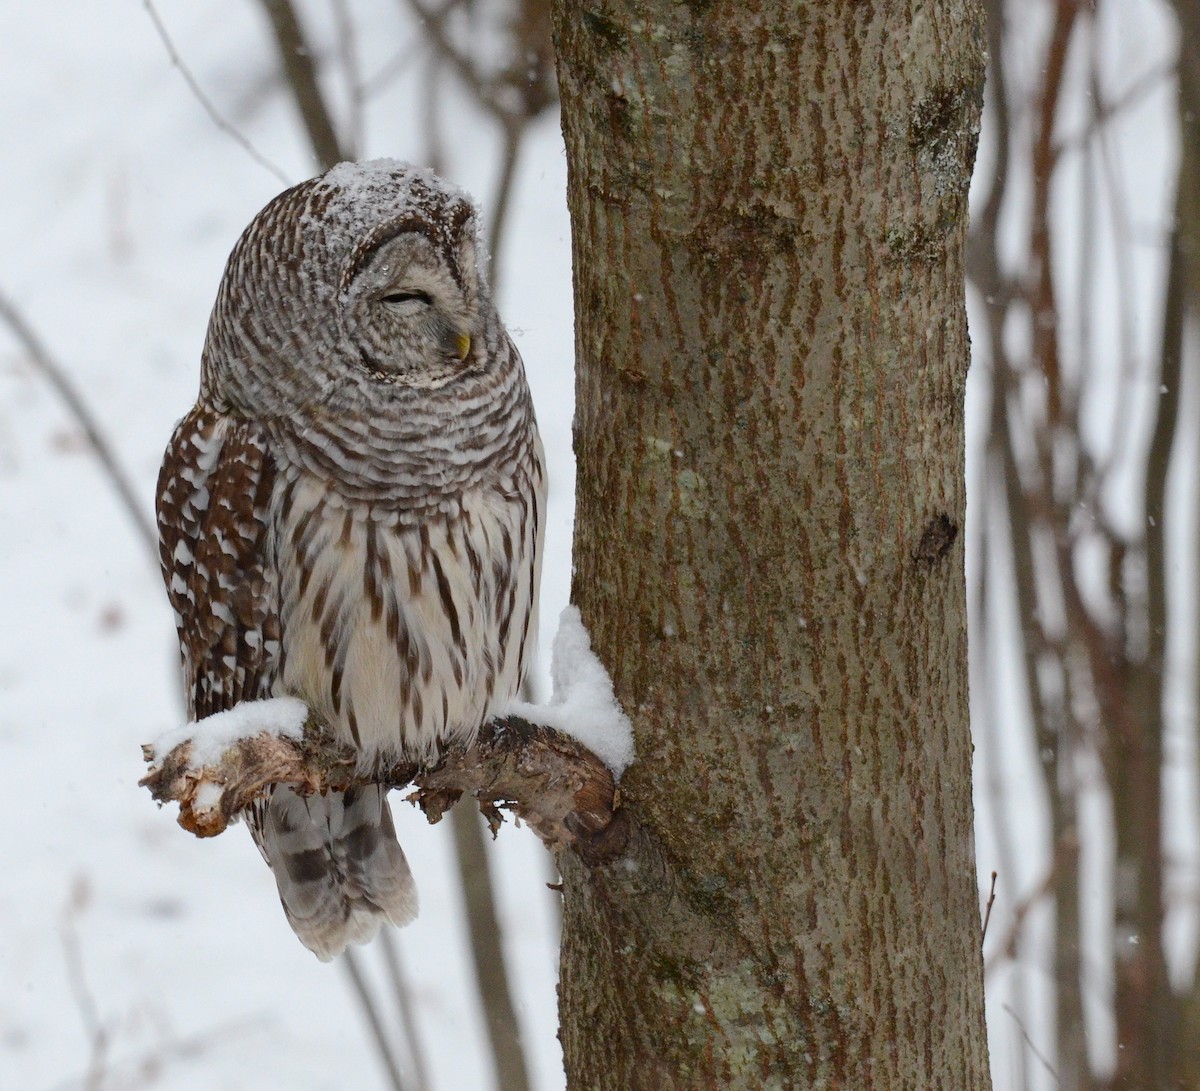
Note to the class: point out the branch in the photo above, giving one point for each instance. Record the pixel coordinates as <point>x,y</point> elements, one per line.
<point>56,375</point>
<point>214,115</point>
<point>987,915</point>
<point>549,780</point>
<point>352,72</point>
<point>514,134</point>
<point>487,953</point>
<point>404,1007</point>
<point>371,1013</point>
<point>301,76</point>
<point>434,24</point>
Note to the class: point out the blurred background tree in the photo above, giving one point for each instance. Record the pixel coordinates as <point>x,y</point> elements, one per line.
<point>1083,554</point>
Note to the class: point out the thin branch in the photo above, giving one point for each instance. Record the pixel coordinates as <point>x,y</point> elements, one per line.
<point>403,1001</point>
<point>1042,294</point>
<point>1104,112</point>
<point>1118,207</point>
<point>987,913</point>
<point>1066,855</point>
<point>514,134</point>
<point>398,64</point>
<point>434,23</point>
<point>226,127</point>
<point>85,1001</point>
<point>1033,1048</point>
<point>355,93</point>
<point>982,252</point>
<point>1187,226</point>
<point>55,374</point>
<point>367,1003</point>
<point>487,952</point>
<point>431,128</point>
<point>403,58</point>
<point>301,75</point>
<point>146,1069</point>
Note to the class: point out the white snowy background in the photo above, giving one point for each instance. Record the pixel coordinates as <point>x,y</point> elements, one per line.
<point>119,202</point>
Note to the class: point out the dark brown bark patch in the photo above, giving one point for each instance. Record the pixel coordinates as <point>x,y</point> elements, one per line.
<point>938,539</point>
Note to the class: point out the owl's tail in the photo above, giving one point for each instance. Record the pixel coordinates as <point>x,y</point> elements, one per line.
<point>340,872</point>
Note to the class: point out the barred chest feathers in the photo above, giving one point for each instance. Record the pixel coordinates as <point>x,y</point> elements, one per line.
<point>404,636</point>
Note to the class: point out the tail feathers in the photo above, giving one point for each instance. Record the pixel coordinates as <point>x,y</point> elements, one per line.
<point>340,872</point>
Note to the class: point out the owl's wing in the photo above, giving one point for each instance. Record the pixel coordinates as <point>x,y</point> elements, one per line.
<point>214,493</point>
<point>338,867</point>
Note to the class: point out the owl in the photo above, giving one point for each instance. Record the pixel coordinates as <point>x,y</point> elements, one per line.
<point>352,513</point>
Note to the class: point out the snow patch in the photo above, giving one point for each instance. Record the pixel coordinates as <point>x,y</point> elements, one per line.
<point>583,704</point>
<point>208,797</point>
<point>213,735</point>
<point>368,180</point>
<point>364,195</point>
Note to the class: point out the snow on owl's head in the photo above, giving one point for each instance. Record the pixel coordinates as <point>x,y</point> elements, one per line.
<point>366,276</point>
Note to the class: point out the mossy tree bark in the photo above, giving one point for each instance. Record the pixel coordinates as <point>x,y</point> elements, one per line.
<point>768,207</point>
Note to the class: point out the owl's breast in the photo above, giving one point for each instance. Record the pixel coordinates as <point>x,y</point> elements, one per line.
<point>406,637</point>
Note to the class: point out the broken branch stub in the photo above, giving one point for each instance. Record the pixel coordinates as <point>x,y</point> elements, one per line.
<point>547,779</point>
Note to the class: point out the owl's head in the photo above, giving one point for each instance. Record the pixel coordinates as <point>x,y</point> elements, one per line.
<point>366,276</point>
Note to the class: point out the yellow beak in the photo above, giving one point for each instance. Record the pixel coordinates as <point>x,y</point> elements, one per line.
<point>462,343</point>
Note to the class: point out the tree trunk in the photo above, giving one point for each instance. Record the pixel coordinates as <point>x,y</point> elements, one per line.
<point>768,207</point>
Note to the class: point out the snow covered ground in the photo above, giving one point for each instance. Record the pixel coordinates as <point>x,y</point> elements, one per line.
<point>120,202</point>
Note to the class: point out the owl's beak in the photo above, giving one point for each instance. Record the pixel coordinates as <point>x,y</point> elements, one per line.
<point>455,343</point>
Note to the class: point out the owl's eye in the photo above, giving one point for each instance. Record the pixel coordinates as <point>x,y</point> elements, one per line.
<point>407,297</point>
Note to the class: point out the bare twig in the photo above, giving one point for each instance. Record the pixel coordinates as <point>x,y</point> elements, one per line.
<point>1042,295</point>
<point>487,951</point>
<point>371,1012</point>
<point>1065,857</point>
<point>1118,206</point>
<point>55,374</point>
<point>431,129</point>
<point>146,1070</point>
<point>514,134</point>
<point>97,1033</point>
<point>395,66</point>
<point>220,122</point>
<point>102,1071</point>
<point>987,913</point>
<point>1033,1048</point>
<point>400,994</point>
<point>435,26</point>
<point>1105,111</point>
<point>355,93</point>
<point>301,76</point>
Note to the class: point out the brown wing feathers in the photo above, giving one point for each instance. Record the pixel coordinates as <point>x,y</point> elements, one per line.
<point>213,496</point>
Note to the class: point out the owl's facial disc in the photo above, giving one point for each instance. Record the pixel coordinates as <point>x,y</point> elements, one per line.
<point>408,313</point>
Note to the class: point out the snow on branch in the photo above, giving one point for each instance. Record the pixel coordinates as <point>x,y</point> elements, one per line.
<point>549,780</point>
<point>584,705</point>
<point>550,774</point>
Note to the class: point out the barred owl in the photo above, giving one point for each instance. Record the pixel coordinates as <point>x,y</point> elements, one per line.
<point>352,512</point>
